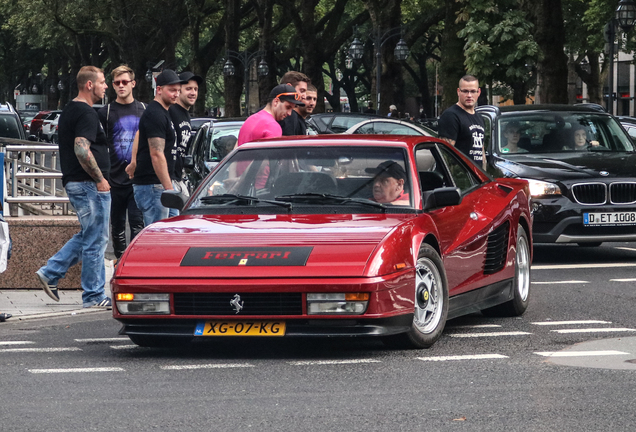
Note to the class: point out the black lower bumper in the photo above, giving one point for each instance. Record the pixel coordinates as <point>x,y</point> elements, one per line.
<point>294,327</point>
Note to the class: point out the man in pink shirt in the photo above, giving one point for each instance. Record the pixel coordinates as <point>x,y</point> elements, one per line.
<point>264,124</point>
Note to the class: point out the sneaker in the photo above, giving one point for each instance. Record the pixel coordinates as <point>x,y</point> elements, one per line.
<point>106,303</point>
<point>50,290</point>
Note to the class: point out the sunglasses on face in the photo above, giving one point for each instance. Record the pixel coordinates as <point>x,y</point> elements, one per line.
<point>122,82</point>
<point>472,92</point>
<point>296,96</point>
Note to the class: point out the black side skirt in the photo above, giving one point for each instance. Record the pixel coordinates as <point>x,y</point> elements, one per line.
<point>479,299</point>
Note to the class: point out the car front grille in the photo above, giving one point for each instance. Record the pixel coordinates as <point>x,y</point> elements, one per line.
<point>497,249</point>
<point>253,303</point>
<point>601,193</point>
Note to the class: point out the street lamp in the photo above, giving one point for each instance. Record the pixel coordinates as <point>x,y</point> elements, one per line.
<point>401,53</point>
<point>245,58</point>
<point>625,17</point>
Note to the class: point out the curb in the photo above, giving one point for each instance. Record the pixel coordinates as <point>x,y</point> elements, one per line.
<point>17,318</point>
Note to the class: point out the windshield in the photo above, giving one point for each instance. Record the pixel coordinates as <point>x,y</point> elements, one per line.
<point>223,139</point>
<point>560,132</point>
<point>9,127</point>
<point>373,177</point>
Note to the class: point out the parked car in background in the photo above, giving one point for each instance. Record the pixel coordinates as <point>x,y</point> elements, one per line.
<point>36,123</point>
<point>10,123</point>
<point>212,142</point>
<point>197,122</point>
<point>48,132</point>
<point>335,122</point>
<point>629,123</point>
<point>580,165</point>
<point>27,116</point>
<point>388,126</point>
<point>322,244</point>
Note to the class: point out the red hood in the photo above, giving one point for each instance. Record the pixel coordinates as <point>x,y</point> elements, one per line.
<point>340,245</point>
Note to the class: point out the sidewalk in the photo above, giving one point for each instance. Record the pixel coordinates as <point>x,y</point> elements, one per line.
<point>29,304</point>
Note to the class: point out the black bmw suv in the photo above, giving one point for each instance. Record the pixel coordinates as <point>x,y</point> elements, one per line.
<point>581,166</point>
<point>10,123</point>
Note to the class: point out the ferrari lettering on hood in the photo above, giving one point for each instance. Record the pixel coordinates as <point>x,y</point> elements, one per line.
<point>237,256</point>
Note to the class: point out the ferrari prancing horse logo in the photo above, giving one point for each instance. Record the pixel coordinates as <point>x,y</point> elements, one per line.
<point>236,303</point>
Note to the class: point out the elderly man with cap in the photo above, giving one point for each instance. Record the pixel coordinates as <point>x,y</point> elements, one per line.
<point>388,184</point>
<point>155,154</point>
<point>264,124</point>
<point>179,113</point>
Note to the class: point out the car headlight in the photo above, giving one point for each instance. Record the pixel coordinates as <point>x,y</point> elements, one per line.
<point>541,188</point>
<point>337,303</point>
<point>143,304</point>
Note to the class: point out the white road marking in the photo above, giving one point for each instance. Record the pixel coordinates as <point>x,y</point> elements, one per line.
<point>580,266</point>
<point>118,339</point>
<point>594,330</point>
<point>548,323</point>
<point>331,362</point>
<point>207,366</point>
<point>463,357</point>
<point>579,353</point>
<point>626,248</point>
<point>16,342</point>
<point>35,350</point>
<point>122,347</point>
<point>559,282</point>
<point>476,326</point>
<point>493,334</point>
<point>623,280</point>
<point>103,369</point>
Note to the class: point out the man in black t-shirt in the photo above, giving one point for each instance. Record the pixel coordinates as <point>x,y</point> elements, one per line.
<point>294,124</point>
<point>179,113</point>
<point>120,120</point>
<point>155,158</point>
<point>85,165</point>
<point>460,126</point>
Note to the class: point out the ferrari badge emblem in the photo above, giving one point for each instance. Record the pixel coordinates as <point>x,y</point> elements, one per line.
<point>236,303</point>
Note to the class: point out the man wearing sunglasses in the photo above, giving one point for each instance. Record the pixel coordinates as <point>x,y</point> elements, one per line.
<point>120,120</point>
<point>294,124</point>
<point>460,126</point>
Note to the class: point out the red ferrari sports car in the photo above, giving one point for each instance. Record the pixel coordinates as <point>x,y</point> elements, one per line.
<point>386,236</point>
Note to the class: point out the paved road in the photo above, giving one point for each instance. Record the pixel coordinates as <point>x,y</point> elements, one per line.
<point>567,364</point>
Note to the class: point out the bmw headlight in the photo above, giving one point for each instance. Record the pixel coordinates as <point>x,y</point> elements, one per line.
<point>542,188</point>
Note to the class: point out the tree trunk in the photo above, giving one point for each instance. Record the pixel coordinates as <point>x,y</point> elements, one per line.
<point>552,68</point>
<point>233,84</point>
<point>452,65</point>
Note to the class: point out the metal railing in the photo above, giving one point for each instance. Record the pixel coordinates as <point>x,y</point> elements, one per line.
<point>34,180</point>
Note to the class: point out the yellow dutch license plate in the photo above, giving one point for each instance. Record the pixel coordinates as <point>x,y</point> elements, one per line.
<point>240,328</point>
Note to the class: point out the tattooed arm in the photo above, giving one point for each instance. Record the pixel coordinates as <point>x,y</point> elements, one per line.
<point>159,162</point>
<point>87,161</point>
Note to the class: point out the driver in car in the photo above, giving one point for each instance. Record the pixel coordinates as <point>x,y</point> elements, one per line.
<point>388,184</point>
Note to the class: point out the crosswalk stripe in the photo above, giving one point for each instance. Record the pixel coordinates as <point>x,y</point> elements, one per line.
<point>476,326</point>
<point>16,342</point>
<point>581,266</point>
<point>123,347</point>
<point>75,370</point>
<point>559,282</point>
<point>463,357</point>
<point>550,323</point>
<point>491,334</point>
<point>207,366</point>
<point>579,353</point>
<point>331,362</point>
<point>33,350</point>
<point>594,330</point>
<point>623,280</point>
<point>117,339</point>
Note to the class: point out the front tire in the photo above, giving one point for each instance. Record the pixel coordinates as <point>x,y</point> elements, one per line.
<point>521,289</point>
<point>431,302</point>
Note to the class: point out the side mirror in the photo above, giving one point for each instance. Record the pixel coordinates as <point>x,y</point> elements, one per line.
<point>441,197</point>
<point>173,199</point>
<point>188,162</point>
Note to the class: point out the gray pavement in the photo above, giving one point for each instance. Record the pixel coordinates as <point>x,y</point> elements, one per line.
<point>26,304</point>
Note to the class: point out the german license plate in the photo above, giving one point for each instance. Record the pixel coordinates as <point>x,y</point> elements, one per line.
<point>609,218</point>
<point>240,328</point>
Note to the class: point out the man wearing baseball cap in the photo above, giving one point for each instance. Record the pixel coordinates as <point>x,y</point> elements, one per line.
<point>264,124</point>
<point>180,115</point>
<point>388,184</point>
<point>157,137</point>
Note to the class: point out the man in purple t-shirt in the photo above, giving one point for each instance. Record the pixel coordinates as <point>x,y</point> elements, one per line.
<point>264,124</point>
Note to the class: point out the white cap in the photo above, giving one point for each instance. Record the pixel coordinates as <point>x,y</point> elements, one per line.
<point>393,107</point>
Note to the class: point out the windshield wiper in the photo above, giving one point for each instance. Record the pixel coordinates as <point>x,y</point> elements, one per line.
<point>329,197</point>
<point>229,197</point>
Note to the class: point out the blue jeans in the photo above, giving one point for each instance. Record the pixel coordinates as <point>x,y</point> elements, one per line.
<point>88,245</point>
<point>148,199</point>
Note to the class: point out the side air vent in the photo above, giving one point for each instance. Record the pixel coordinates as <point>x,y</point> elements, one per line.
<point>497,249</point>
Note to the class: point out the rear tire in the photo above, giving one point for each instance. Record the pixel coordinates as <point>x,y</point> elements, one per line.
<point>152,341</point>
<point>521,283</point>
<point>431,303</point>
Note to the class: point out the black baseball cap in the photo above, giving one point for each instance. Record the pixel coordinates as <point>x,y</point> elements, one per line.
<point>168,77</point>
<point>389,168</point>
<point>287,93</point>
<point>187,76</point>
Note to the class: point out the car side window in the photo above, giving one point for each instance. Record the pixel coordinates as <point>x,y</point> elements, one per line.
<point>388,128</point>
<point>366,129</point>
<point>487,133</point>
<point>463,178</point>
